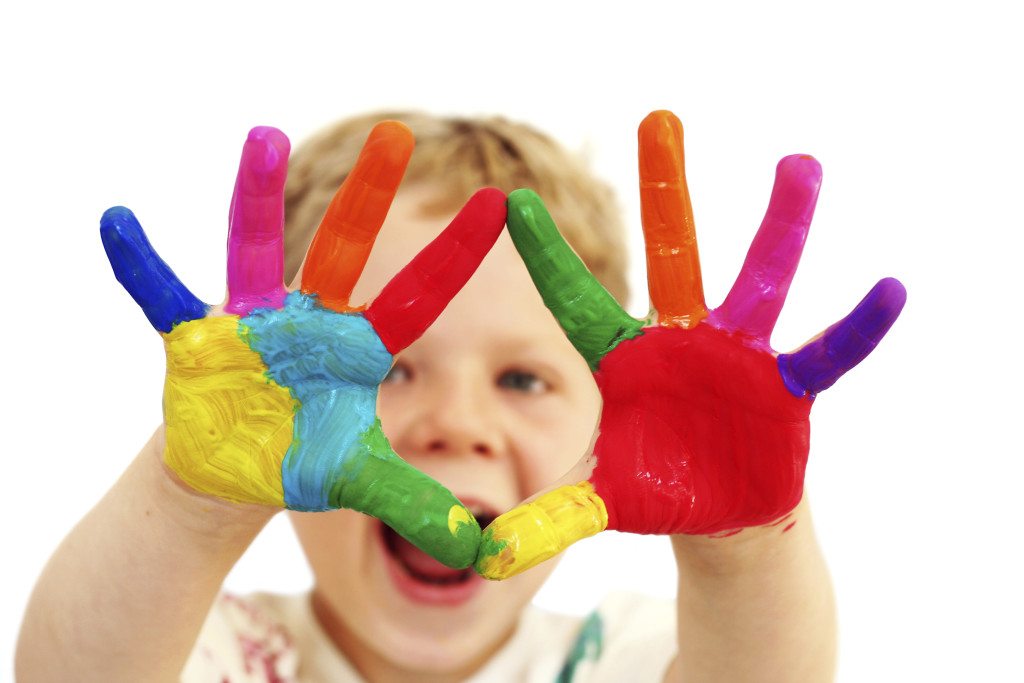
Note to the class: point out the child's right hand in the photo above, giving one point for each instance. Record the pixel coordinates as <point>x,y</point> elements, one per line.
<point>271,398</point>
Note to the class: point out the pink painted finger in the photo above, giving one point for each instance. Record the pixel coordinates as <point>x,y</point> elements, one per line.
<point>415,297</point>
<point>756,299</point>
<point>256,223</point>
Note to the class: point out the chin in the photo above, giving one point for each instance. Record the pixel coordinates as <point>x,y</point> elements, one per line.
<point>440,619</point>
<point>385,604</point>
<point>408,614</point>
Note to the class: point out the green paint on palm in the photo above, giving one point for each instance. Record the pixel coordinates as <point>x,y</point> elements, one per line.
<point>379,483</point>
<point>590,316</point>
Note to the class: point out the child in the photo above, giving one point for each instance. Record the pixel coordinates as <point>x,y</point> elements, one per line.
<point>492,401</point>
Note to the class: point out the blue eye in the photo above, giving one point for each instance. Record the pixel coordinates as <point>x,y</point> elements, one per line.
<point>398,374</point>
<point>521,380</point>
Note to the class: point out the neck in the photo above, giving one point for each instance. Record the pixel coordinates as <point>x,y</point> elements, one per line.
<point>377,667</point>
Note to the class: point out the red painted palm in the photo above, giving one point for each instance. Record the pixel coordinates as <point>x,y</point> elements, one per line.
<point>704,428</point>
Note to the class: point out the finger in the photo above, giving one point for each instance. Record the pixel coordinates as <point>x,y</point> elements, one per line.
<point>347,232</point>
<point>414,298</point>
<point>256,223</point>
<point>538,530</point>
<point>379,483</point>
<point>821,362</point>
<point>590,316</point>
<point>673,264</point>
<point>755,300</point>
<point>141,271</point>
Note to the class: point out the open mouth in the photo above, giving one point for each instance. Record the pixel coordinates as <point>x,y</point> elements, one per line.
<point>422,578</point>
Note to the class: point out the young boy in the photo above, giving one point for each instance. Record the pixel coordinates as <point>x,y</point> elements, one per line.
<point>493,402</point>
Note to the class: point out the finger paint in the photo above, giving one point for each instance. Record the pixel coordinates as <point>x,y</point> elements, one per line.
<point>146,277</point>
<point>673,263</point>
<point>591,318</point>
<point>540,529</point>
<point>413,299</point>
<point>355,215</point>
<point>821,362</point>
<point>755,301</point>
<point>278,407</point>
<point>228,424</point>
<point>703,430</point>
<point>332,364</point>
<point>698,434</point>
<point>256,223</point>
<point>378,482</point>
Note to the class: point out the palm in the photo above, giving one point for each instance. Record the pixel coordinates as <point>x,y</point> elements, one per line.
<point>704,428</point>
<point>698,434</point>
<point>272,400</point>
<point>264,383</point>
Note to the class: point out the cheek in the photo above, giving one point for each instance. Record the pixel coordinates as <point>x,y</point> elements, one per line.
<point>394,407</point>
<point>554,447</point>
<point>560,433</point>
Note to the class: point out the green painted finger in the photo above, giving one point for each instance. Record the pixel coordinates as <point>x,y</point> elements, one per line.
<point>418,508</point>
<point>590,316</point>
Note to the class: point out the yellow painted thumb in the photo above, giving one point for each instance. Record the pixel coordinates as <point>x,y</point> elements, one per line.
<point>533,532</point>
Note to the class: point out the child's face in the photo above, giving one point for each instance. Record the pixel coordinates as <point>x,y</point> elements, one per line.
<point>495,404</point>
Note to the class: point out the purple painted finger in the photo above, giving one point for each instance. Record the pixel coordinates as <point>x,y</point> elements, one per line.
<point>821,362</point>
<point>256,223</point>
<point>756,299</point>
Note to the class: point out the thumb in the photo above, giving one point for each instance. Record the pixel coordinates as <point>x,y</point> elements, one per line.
<point>417,507</point>
<point>542,526</point>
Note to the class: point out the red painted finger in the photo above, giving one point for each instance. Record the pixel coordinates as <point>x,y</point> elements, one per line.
<point>346,234</point>
<point>414,298</point>
<point>256,223</point>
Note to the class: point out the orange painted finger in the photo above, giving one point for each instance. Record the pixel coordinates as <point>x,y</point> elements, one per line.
<point>346,234</point>
<point>673,265</point>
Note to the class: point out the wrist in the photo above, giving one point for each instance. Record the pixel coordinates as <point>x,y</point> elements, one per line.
<point>749,549</point>
<point>197,513</point>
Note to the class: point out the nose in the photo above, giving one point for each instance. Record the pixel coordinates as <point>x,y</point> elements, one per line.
<point>456,418</point>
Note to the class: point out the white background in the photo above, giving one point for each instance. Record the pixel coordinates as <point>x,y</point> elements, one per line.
<point>915,471</point>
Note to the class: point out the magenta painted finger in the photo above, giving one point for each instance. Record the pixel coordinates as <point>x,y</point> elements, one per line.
<point>756,299</point>
<point>415,297</point>
<point>256,224</point>
<point>821,362</point>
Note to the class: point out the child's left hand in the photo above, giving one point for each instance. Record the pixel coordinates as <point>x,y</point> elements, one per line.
<point>704,428</point>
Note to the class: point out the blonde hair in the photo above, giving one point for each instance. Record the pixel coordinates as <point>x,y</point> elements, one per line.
<point>459,156</point>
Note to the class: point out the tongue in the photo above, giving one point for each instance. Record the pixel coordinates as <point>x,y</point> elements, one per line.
<point>421,563</point>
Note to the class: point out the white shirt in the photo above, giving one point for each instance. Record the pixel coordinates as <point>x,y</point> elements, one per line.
<point>267,638</point>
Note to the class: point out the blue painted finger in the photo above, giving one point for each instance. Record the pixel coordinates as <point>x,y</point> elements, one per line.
<point>821,362</point>
<point>141,271</point>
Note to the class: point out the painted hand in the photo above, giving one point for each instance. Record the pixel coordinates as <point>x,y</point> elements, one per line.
<point>704,428</point>
<point>271,398</point>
